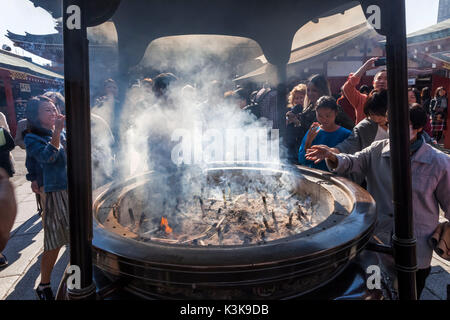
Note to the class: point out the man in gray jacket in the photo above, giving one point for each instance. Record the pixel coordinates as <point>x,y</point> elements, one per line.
<point>430,171</point>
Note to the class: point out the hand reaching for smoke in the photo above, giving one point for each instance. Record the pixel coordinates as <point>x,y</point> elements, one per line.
<point>318,153</point>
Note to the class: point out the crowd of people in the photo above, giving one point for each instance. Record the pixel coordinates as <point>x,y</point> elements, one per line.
<point>347,136</point>
<point>363,155</point>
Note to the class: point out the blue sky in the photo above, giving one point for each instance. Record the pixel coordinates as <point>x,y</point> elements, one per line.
<point>20,15</point>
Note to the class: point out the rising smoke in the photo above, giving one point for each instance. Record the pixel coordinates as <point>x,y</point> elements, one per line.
<point>179,134</point>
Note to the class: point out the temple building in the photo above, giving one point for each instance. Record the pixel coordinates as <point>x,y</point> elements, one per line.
<point>48,46</point>
<point>102,50</point>
<point>21,79</point>
<point>429,53</point>
<point>429,49</point>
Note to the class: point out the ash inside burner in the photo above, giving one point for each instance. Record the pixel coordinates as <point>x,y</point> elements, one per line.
<point>222,218</point>
<point>220,208</point>
<point>204,237</point>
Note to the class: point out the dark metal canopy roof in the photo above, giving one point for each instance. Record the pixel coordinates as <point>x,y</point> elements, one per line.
<point>323,49</point>
<point>154,19</point>
<point>271,24</point>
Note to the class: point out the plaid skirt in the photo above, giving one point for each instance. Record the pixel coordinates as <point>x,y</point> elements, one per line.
<point>55,220</point>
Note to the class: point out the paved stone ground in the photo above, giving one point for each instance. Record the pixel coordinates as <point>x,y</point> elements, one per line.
<point>24,250</point>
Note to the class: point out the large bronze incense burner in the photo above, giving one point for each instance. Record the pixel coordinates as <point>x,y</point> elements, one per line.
<point>252,232</point>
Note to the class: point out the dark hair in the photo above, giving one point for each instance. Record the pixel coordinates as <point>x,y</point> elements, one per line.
<point>417,116</point>
<point>163,80</point>
<point>425,94</point>
<point>241,93</point>
<point>364,88</point>
<point>244,93</point>
<point>322,85</point>
<point>32,111</point>
<point>376,74</point>
<point>436,93</point>
<point>376,103</point>
<point>327,102</point>
<point>416,94</point>
<point>58,100</point>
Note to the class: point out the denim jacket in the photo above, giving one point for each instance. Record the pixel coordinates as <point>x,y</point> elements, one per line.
<point>53,161</point>
<point>34,170</point>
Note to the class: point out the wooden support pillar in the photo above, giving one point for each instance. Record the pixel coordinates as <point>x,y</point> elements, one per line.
<point>404,243</point>
<point>78,113</point>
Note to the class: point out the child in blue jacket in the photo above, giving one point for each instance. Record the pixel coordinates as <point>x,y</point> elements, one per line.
<point>323,132</point>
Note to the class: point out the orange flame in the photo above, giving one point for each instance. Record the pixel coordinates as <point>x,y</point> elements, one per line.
<point>165,224</point>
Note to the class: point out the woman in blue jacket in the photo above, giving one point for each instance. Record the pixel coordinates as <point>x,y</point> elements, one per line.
<point>45,143</point>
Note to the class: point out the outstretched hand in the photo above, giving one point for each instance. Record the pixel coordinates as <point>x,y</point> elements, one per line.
<point>318,153</point>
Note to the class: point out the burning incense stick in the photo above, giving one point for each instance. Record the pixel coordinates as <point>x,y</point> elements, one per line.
<point>300,213</point>
<point>266,224</point>
<point>220,235</point>
<point>263,236</point>
<point>224,198</point>
<point>142,219</point>
<point>130,213</point>
<point>275,223</point>
<point>265,205</point>
<point>289,224</point>
<point>246,195</point>
<point>202,207</point>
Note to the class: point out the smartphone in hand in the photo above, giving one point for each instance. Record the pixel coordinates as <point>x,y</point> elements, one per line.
<point>380,62</point>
